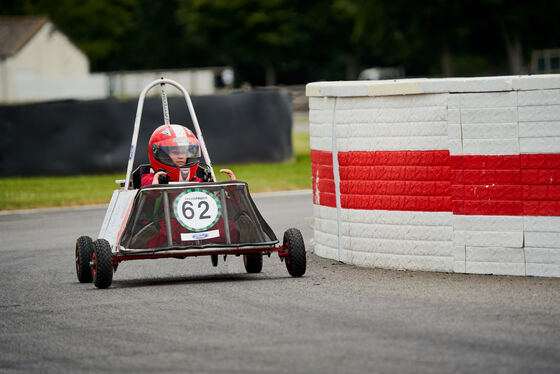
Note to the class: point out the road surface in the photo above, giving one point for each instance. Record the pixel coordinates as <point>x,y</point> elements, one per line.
<point>185,316</point>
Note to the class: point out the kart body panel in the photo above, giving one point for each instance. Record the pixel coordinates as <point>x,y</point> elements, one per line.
<point>116,215</point>
<point>185,219</point>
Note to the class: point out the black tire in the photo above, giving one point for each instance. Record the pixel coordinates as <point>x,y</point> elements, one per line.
<point>214,259</point>
<point>84,249</point>
<point>102,264</point>
<point>296,262</point>
<point>253,262</point>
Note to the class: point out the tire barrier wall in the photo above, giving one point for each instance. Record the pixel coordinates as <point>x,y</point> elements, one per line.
<point>70,137</point>
<point>451,175</point>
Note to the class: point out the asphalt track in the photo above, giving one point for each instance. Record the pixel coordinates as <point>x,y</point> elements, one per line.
<point>185,316</point>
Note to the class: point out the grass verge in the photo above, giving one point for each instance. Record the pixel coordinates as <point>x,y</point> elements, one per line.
<point>39,192</point>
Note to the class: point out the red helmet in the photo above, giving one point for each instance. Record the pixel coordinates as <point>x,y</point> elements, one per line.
<point>175,149</point>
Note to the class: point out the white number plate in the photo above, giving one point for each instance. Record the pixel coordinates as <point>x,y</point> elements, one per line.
<point>197,209</point>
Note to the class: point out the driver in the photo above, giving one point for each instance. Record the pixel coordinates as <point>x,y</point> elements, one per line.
<point>174,152</point>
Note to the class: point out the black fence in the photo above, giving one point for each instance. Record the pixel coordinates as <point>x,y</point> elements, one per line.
<point>71,137</point>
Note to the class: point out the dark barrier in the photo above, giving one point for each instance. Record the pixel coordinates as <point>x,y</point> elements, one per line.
<point>70,137</point>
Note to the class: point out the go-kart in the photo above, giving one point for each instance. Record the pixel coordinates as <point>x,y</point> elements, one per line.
<point>179,220</point>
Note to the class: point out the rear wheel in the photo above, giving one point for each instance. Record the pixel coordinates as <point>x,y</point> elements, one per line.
<point>214,259</point>
<point>253,262</point>
<point>84,249</point>
<point>102,264</point>
<point>296,262</point>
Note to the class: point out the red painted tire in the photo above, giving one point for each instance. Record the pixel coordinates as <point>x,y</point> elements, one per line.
<point>296,262</point>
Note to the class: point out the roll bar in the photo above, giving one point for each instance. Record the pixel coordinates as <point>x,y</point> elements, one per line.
<point>162,82</point>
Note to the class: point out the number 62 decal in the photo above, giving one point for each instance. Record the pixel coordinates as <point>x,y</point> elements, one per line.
<point>197,209</point>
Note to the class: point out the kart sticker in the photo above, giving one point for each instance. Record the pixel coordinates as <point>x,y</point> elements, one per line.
<point>197,209</point>
<point>184,174</point>
<point>200,235</point>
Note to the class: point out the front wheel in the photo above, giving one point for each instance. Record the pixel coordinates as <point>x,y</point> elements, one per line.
<point>296,262</point>
<point>84,249</point>
<point>102,264</point>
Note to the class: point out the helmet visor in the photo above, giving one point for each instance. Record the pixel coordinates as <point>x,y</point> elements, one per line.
<point>180,152</point>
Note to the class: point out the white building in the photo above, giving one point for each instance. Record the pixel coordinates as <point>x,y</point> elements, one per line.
<point>34,56</point>
<point>38,62</point>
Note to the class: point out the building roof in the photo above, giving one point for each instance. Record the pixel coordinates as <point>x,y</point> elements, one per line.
<point>16,31</point>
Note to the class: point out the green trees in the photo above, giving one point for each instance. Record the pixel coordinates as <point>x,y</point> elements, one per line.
<point>246,33</point>
<point>286,41</point>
